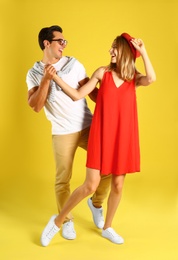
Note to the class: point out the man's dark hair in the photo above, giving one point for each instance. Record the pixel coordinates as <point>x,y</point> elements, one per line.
<point>47,34</point>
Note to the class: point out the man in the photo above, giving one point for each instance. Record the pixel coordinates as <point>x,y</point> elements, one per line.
<point>70,120</point>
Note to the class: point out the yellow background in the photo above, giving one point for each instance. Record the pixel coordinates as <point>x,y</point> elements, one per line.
<point>148,214</point>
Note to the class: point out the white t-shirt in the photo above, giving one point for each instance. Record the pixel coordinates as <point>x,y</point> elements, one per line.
<point>66,116</point>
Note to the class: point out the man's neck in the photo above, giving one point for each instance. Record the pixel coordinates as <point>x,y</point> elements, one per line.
<point>47,60</point>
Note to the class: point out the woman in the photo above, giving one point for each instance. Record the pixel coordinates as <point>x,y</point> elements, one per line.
<point>113,146</point>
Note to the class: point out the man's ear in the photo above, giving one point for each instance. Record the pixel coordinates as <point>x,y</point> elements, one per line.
<point>46,43</point>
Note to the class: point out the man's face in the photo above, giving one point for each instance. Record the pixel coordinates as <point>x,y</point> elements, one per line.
<point>57,45</point>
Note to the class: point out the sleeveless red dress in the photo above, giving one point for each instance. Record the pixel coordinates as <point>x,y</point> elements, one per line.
<point>113,145</point>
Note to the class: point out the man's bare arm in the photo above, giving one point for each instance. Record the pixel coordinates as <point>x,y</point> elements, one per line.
<point>37,96</point>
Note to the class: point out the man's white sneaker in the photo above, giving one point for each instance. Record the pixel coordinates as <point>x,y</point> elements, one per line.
<point>97,214</point>
<point>68,230</point>
<point>49,232</point>
<point>110,234</point>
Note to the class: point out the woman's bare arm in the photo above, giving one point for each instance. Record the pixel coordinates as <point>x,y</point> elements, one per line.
<point>150,76</point>
<point>83,91</point>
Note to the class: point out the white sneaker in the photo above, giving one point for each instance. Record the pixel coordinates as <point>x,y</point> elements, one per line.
<point>68,230</point>
<point>110,234</point>
<point>97,214</point>
<point>49,232</point>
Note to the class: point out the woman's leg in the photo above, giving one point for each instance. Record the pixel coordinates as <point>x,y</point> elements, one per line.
<point>114,198</point>
<point>97,199</point>
<point>112,205</point>
<point>88,187</point>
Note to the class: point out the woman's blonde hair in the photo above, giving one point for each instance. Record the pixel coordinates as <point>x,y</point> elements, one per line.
<point>125,63</point>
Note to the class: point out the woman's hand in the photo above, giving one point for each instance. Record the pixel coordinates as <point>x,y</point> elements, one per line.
<point>139,45</point>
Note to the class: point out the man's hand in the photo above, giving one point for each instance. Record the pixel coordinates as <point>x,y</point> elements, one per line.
<point>49,72</point>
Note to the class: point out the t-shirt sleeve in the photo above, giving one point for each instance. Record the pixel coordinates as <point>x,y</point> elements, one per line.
<point>81,71</point>
<point>32,80</point>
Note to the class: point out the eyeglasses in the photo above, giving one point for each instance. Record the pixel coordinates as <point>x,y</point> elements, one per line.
<point>60,41</point>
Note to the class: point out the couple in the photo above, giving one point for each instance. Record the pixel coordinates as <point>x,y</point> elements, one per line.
<point>113,144</point>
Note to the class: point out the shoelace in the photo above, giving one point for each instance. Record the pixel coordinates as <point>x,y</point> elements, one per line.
<point>70,227</point>
<point>51,232</point>
<point>113,233</point>
<point>100,211</point>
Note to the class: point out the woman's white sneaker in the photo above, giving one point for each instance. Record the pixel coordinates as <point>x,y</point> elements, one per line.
<point>49,232</point>
<point>110,234</point>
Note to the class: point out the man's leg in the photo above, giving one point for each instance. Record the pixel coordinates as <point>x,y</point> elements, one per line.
<point>64,147</point>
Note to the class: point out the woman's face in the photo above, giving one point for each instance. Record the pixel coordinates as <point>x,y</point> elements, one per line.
<point>113,52</point>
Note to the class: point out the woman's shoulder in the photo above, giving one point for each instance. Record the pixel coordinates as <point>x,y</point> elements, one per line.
<point>103,68</point>
<point>100,72</point>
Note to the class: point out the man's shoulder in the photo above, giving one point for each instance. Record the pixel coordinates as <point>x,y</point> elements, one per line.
<point>72,58</point>
<point>35,69</point>
<point>76,64</point>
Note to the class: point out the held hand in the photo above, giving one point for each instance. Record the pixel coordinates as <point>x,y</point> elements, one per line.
<point>49,71</point>
<point>139,45</point>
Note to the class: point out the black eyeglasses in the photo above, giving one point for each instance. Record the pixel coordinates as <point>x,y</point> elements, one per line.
<point>60,41</point>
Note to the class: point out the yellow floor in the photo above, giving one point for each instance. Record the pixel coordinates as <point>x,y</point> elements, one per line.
<point>146,220</point>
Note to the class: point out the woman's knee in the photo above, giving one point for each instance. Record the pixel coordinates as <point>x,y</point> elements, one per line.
<point>92,180</point>
<point>90,188</point>
<point>117,184</point>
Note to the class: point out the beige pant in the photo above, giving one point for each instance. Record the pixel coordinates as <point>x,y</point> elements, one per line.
<point>64,147</point>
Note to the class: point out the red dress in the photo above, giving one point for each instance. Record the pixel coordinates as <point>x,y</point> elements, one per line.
<point>113,145</point>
